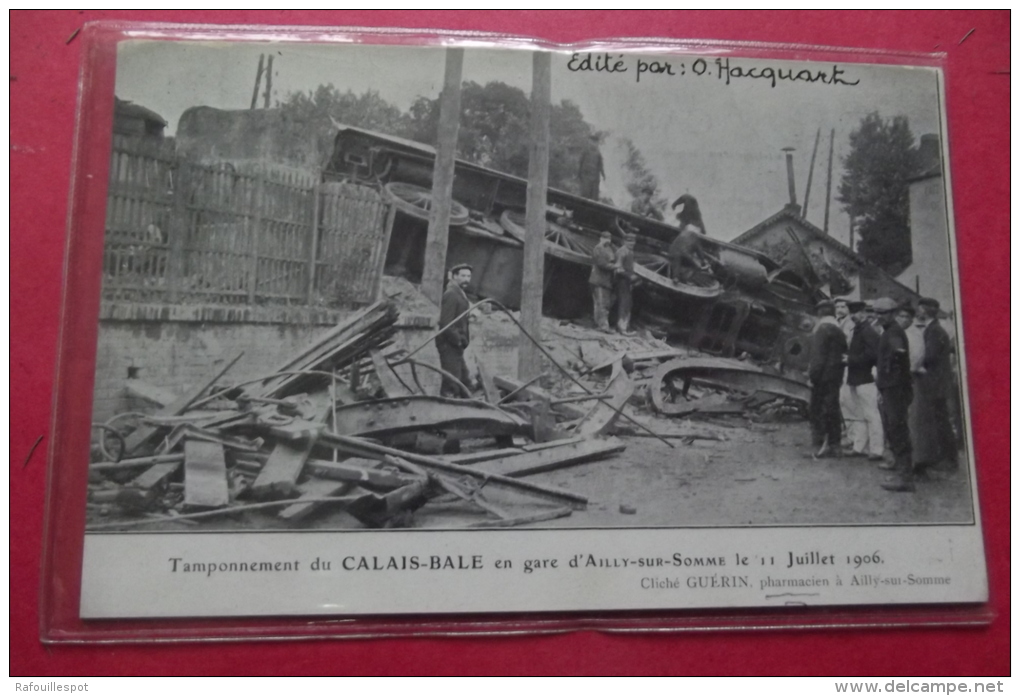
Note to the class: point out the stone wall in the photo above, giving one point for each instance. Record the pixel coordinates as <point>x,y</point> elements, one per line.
<point>174,346</point>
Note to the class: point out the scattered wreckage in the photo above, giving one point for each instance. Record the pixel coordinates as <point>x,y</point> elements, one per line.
<point>343,426</point>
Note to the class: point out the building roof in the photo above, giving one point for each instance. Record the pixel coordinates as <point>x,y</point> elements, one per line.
<point>793,215</point>
<point>123,107</point>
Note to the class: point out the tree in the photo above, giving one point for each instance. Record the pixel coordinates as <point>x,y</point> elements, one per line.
<point>641,182</point>
<point>874,190</point>
<point>494,131</point>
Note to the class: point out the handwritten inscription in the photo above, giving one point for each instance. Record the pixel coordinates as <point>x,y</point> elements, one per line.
<point>722,70</point>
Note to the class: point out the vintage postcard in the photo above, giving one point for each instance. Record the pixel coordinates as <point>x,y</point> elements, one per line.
<point>422,329</point>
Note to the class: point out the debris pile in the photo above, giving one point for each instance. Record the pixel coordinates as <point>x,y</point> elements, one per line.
<point>343,431</point>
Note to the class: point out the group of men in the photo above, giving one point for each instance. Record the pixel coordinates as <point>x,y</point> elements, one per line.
<point>612,274</point>
<point>884,370</point>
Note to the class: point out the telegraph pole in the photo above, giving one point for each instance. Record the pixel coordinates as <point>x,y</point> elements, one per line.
<point>442,178</point>
<point>269,81</point>
<point>828,191</point>
<point>529,358</point>
<point>258,81</point>
<point>810,173</point>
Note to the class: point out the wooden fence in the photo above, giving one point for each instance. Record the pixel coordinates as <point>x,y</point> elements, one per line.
<point>237,232</point>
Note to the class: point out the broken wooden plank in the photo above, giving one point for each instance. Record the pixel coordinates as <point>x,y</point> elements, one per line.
<point>526,519</point>
<point>279,476</point>
<point>312,488</point>
<point>537,393</point>
<point>205,474</point>
<point>143,434</point>
<point>361,447</point>
<point>392,385</point>
<point>357,470</point>
<point>605,412</point>
<point>553,458</point>
<point>136,463</point>
<point>294,431</point>
<point>488,386</point>
<point>156,474</point>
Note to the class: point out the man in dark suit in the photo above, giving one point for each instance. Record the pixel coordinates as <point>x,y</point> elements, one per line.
<point>864,421</point>
<point>895,385</point>
<point>828,352</point>
<point>933,382</point>
<point>452,343</point>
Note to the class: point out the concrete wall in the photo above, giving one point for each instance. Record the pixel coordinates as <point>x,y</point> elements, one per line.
<point>930,268</point>
<point>173,347</point>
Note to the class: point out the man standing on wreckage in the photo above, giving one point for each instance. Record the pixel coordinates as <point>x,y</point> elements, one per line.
<point>452,343</point>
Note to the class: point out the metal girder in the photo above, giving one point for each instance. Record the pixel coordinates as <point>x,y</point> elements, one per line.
<point>727,374</point>
<point>410,413</point>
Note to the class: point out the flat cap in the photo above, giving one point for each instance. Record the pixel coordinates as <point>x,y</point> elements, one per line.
<point>606,234</point>
<point>885,304</point>
<point>461,267</point>
<point>856,305</point>
<point>929,302</point>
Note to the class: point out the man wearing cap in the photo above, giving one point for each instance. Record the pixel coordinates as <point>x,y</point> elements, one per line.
<point>934,440</point>
<point>452,343</point>
<point>625,278</point>
<point>828,351</point>
<point>893,379</point>
<point>861,409</point>
<point>590,171</point>
<point>603,265</point>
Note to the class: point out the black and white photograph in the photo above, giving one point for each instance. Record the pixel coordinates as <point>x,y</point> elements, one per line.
<point>525,330</point>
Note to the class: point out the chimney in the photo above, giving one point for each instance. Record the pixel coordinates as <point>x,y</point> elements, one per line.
<point>929,153</point>
<point>789,177</point>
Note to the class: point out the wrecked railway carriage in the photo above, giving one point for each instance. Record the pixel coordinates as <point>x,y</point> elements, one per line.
<point>749,304</point>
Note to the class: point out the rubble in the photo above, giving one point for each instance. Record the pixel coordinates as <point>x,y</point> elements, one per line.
<point>336,433</point>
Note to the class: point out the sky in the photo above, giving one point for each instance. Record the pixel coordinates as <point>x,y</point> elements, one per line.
<point>718,140</point>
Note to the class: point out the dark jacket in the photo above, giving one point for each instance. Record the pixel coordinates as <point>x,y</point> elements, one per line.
<point>454,303</point>
<point>603,258</point>
<point>938,348</point>
<point>862,355</point>
<point>893,367</point>
<point>828,346</point>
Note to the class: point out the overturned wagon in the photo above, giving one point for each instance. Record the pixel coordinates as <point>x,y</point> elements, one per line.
<point>748,305</point>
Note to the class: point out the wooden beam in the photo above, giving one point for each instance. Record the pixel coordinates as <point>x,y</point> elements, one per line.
<point>536,394</point>
<point>205,475</point>
<point>392,385</point>
<point>278,478</point>
<point>553,458</point>
<point>434,272</point>
<point>605,412</point>
<point>312,488</point>
<point>488,386</point>
<point>136,463</point>
<point>357,470</point>
<point>361,447</point>
<point>529,357</point>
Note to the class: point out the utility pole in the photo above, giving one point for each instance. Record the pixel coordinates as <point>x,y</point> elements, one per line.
<point>828,189</point>
<point>258,82</point>
<point>811,173</point>
<point>529,357</point>
<point>442,178</point>
<point>789,176</point>
<point>269,81</point>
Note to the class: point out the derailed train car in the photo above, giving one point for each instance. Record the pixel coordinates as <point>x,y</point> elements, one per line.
<point>747,304</point>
